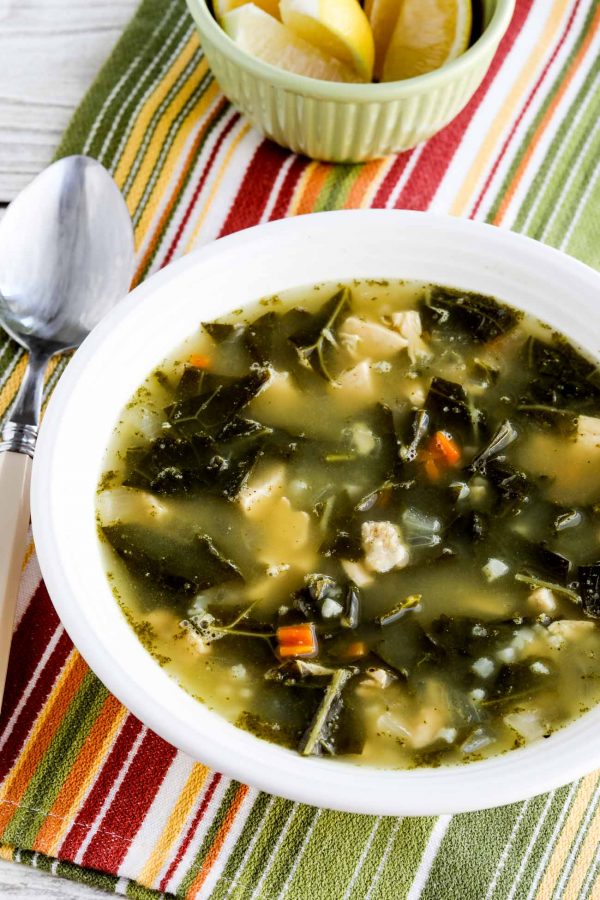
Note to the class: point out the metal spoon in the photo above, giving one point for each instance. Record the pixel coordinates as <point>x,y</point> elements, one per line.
<point>66,258</point>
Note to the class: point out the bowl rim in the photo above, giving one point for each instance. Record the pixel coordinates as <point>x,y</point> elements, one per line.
<point>357,93</point>
<point>192,727</point>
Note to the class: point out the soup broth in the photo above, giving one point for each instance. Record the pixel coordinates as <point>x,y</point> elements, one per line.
<point>363,520</point>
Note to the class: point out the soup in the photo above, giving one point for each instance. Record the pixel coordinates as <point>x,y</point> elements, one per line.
<point>363,521</point>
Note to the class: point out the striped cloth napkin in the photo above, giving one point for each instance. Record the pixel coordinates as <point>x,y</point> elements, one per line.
<point>89,793</point>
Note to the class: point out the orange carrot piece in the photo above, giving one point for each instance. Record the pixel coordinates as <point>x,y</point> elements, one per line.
<point>199,360</point>
<point>293,634</point>
<point>297,640</point>
<point>355,650</point>
<point>444,446</point>
<point>432,469</point>
<point>296,650</point>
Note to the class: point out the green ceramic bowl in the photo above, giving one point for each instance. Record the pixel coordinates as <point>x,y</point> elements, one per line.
<point>348,122</point>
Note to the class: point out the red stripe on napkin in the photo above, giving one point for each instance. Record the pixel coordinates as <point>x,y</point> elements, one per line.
<point>288,187</point>
<point>198,189</point>
<point>130,804</point>
<point>36,629</point>
<point>526,106</point>
<point>256,187</point>
<point>191,831</point>
<point>110,771</point>
<point>424,181</point>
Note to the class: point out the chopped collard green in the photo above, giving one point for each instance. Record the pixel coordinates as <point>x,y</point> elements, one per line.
<point>449,408</point>
<point>267,339</point>
<point>185,466</point>
<point>340,527</point>
<point>562,379</point>
<point>316,339</point>
<point>180,564</point>
<point>219,399</point>
<point>365,522</point>
<point>470,317</point>
<point>589,589</point>
<point>223,331</point>
<point>319,738</point>
<point>502,438</point>
<point>410,604</point>
<point>419,428</point>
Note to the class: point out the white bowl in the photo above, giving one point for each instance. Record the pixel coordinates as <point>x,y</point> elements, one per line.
<point>136,336</point>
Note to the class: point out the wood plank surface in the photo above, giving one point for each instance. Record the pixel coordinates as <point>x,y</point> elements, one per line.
<point>51,51</point>
<point>19,882</point>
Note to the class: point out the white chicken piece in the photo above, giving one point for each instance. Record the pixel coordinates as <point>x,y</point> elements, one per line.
<point>263,487</point>
<point>357,384</point>
<point>588,432</point>
<point>542,600</point>
<point>424,726</point>
<point>526,723</point>
<point>383,546</point>
<point>370,338</point>
<point>285,541</point>
<point>408,326</point>
<point>124,504</point>
<point>363,439</point>
<point>357,573</point>
<point>281,404</point>
<point>286,534</point>
<point>570,629</point>
<point>572,467</point>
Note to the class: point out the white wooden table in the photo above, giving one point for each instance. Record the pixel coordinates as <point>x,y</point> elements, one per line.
<point>22,883</point>
<point>50,52</point>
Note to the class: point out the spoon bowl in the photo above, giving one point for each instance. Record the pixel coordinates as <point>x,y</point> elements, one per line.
<point>66,258</point>
<point>66,255</point>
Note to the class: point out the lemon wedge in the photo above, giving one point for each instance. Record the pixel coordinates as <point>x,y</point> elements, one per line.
<point>222,7</point>
<point>259,34</point>
<point>382,16</point>
<point>338,28</point>
<point>428,34</point>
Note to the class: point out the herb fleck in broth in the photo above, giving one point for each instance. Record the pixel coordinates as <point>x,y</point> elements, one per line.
<point>364,521</point>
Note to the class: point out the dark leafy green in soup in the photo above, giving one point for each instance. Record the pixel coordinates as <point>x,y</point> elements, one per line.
<point>364,521</point>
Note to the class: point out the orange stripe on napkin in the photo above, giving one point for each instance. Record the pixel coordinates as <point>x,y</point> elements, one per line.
<point>309,188</point>
<point>507,112</point>
<point>81,775</point>
<point>150,108</point>
<point>218,842</point>
<point>547,118</point>
<point>175,197</point>
<point>13,382</point>
<point>196,112</point>
<point>587,853</point>
<point>366,184</point>
<point>175,824</point>
<point>46,726</point>
<point>568,832</point>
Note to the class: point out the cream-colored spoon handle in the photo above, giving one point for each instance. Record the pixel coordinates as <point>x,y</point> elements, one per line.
<point>15,475</point>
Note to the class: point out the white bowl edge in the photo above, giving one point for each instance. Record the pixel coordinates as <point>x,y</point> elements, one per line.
<point>144,328</point>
